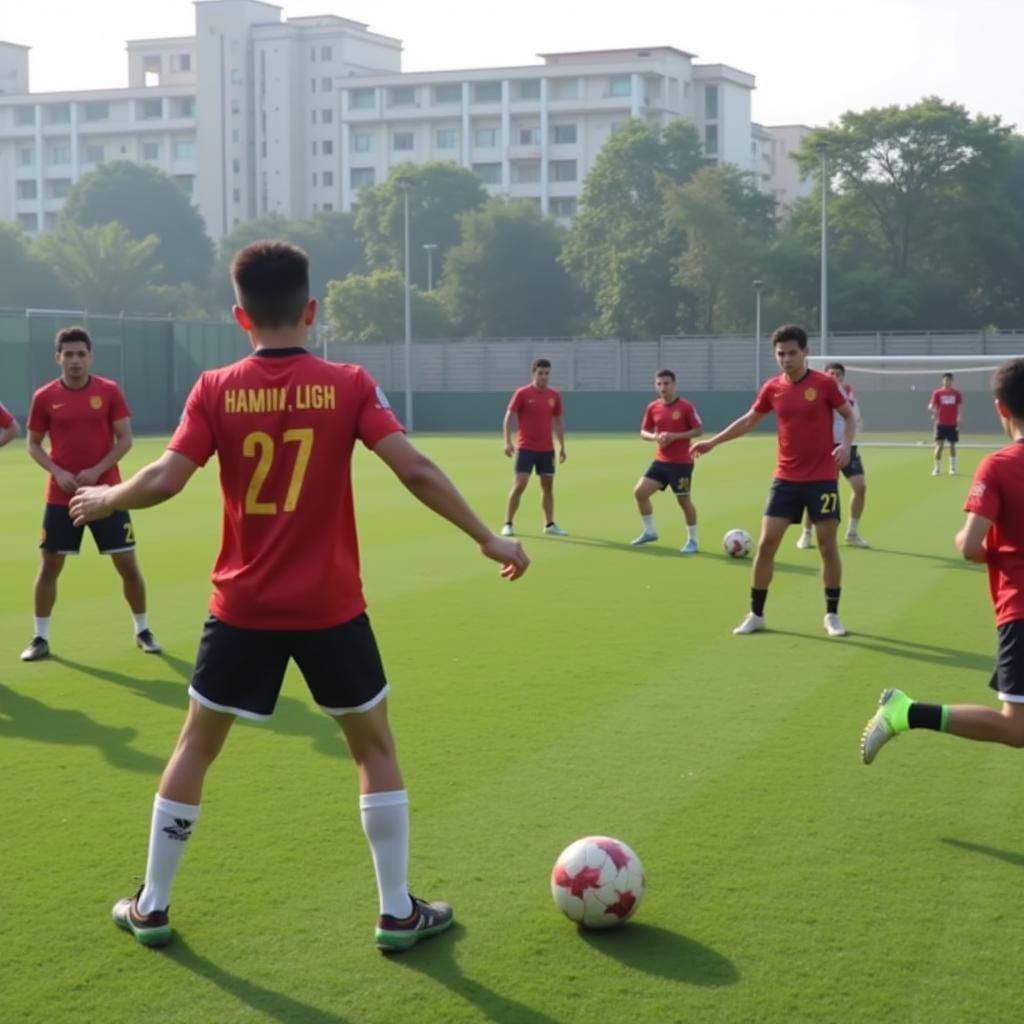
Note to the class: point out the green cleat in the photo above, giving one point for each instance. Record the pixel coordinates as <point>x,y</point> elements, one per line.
<point>887,721</point>
<point>153,929</point>
<point>395,935</point>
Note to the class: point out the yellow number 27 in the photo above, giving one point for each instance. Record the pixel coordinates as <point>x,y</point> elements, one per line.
<point>260,446</point>
<point>829,502</point>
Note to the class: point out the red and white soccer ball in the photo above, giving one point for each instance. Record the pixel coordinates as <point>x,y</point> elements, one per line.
<point>597,882</point>
<point>738,543</point>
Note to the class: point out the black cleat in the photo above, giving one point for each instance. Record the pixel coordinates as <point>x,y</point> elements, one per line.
<point>152,929</point>
<point>36,650</point>
<point>397,934</point>
<point>147,642</point>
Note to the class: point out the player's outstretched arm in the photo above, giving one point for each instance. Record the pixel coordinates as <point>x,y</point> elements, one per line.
<point>424,479</point>
<point>737,428</point>
<point>152,485</point>
<point>971,539</point>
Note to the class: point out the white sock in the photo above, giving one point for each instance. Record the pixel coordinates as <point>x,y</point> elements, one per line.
<point>648,522</point>
<point>852,529</point>
<point>386,824</point>
<point>692,532</point>
<point>172,825</point>
<point>140,622</point>
<point>952,463</point>
<point>42,627</point>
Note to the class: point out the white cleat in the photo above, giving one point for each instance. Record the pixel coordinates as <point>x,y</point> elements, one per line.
<point>805,541</point>
<point>833,626</point>
<point>952,472</point>
<point>935,471</point>
<point>855,540</point>
<point>751,624</point>
<point>506,530</point>
<point>644,538</point>
<point>554,530</point>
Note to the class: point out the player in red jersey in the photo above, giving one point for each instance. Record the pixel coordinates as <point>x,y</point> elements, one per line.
<point>945,405</point>
<point>993,533</point>
<point>90,430</point>
<point>9,428</point>
<point>803,401</point>
<point>670,422</point>
<point>538,409</point>
<point>283,424</point>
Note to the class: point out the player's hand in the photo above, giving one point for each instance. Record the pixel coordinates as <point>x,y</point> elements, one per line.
<point>663,439</point>
<point>87,478</point>
<point>87,505</point>
<point>841,453</point>
<point>509,553</point>
<point>66,481</point>
<point>561,455</point>
<point>510,450</point>
<point>701,448</point>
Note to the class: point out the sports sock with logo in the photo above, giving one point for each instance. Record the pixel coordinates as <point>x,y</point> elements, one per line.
<point>386,824</point>
<point>928,716</point>
<point>170,829</point>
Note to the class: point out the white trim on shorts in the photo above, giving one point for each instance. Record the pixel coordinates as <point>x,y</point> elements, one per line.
<point>1011,698</point>
<point>214,706</point>
<point>118,551</point>
<point>361,708</point>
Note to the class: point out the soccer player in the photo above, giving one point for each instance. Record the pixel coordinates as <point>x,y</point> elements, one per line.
<point>945,405</point>
<point>90,430</point>
<point>9,428</point>
<point>670,422</point>
<point>538,408</point>
<point>993,533</point>
<point>283,424</point>
<point>853,470</point>
<point>805,478</point>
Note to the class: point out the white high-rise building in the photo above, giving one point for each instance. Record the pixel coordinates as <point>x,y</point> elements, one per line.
<point>257,114</point>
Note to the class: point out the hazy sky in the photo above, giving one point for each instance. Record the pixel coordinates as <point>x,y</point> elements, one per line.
<point>813,59</point>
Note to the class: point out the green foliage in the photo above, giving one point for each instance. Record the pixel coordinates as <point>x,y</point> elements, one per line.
<point>371,307</point>
<point>147,202</point>
<point>26,281</point>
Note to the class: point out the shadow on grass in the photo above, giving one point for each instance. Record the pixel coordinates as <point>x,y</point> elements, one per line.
<point>435,960</point>
<point>27,718</point>
<point>263,1000</point>
<point>1007,856</point>
<point>930,654</point>
<point>943,561</point>
<point>665,954</point>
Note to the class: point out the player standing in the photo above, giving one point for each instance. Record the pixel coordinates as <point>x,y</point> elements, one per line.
<point>9,428</point>
<point>945,405</point>
<point>90,430</point>
<point>670,422</point>
<point>283,424</point>
<point>853,470</point>
<point>993,533</point>
<point>805,477</point>
<point>538,409</point>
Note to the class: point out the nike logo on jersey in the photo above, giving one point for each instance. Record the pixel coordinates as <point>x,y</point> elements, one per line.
<point>58,405</point>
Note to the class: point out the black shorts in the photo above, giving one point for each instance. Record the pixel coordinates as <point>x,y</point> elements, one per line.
<point>854,467</point>
<point>787,499</point>
<point>61,537</point>
<point>1008,678</point>
<point>676,475</point>
<point>542,462</point>
<point>950,434</point>
<point>240,671</point>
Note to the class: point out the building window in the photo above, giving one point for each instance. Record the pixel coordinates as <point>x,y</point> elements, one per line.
<point>446,138</point>
<point>711,139</point>
<point>563,170</point>
<point>328,179</point>
<point>620,85</point>
<point>185,106</point>
<point>528,89</point>
<point>93,154</point>
<point>26,156</point>
<point>525,171</point>
<point>151,151</point>
<point>326,84</point>
<point>58,113</point>
<point>236,164</point>
<point>563,134</point>
<point>185,149</point>
<point>95,111</point>
<point>236,195</point>
<point>711,103</point>
<point>485,138</point>
<point>403,140</point>
<point>236,76</point>
<point>24,115</point>
<point>183,61</point>
<point>487,92</point>
<point>402,96</point>
<point>313,118</point>
<point>327,116</point>
<point>58,188</point>
<point>361,143</point>
<point>489,174</point>
<point>236,106</point>
<point>60,153</point>
<point>312,54</point>
<point>29,221</point>
<point>149,110</point>
<point>361,177</point>
<point>327,147</point>
<point>528,136</point>
<point>361,99</point>
<point>564,88</point>
<point>27,189</point>
<point>328,207</point>
<point>312,85</point>
<point>314,149</point>
<point>326,53</point>
<point>235,135</point>
<point>449,92</point>
<point>315,177</point>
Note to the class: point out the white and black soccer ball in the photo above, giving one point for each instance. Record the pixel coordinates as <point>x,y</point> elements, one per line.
<point>738,543</point>
<point>597,882</point>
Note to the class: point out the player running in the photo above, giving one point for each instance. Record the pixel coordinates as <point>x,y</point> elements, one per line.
<point>538,409</point>
<point>283,424</point>
<point>945,405</point>
<point>670,422</point>
<point>805,478</point>
<point>9,426</point>
<point>90,430</point>
<point>993,533</point>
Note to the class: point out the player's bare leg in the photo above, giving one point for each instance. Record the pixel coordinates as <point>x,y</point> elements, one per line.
<point>938,456</point>
<point>547,502</point>
<point>645,488</point>
<point>690,516</point>
<point>952,458</point>
<point>134,587</point>
<point>773,529</point>
<point>859,486</point>
<point>519,482</point>
<point>201,739</point>
<point>44,596</point>
<point>827,531</point>
<point>806,538</point>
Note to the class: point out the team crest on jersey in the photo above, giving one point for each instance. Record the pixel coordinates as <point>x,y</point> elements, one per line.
<point>677,415</point>
<point>382,399</point>
<point>96,402</point>
<point>551,403</point>
<point>811,394</point>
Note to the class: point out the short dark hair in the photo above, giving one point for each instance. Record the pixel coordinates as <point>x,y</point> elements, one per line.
<point>836,366</point>
<point>665,373</point>
<point>1008,387</point>
<point>947,374</point>
<point>789,332</point>
<point>271,280</point>
<point>540,364</point>
<point>66,335</point>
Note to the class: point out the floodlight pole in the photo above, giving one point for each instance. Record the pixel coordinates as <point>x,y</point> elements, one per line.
<point>823,315</point>
<point>430,247</point>
<point>757,334</point>
<point>404,184</point>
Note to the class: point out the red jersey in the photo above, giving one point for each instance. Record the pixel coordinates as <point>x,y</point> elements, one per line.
<point>80,422</point>
<point>535,409</point>
<point>947,402</point>
<point>6,419</point>
<point>283,424</point>
<point>804,414</point>
<point>997,493</point>
<point>673,418</point>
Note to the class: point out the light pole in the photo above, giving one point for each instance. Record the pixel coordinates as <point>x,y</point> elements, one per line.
<point>823,313</point>
<point>430,247</point>
<point>757,334</point>
<point>404,185</point>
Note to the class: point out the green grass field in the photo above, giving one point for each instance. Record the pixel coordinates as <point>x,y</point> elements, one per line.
<point>602,693</point>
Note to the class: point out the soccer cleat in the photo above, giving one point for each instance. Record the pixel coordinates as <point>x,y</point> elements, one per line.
<point>952,471</point>
<point>147,642</point>
<point>887,721</point>
<point>644,538</point>
<point>935,471</point>
<point>805,540</point>
<point>751,624</point>
<point>395,935</point>
<point>855,540</point>
<point>689,548</point>
<point>554,530</point>
<point>39,648</point>
<point>152,929</point>
<point>506,530</point>
<point>833,626</point>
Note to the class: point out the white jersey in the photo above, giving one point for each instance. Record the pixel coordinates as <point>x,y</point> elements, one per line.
<point>838,428</point>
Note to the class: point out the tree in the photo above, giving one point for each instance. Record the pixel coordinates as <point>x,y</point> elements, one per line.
<point>371,307</point>
<point>146,202</point>
<point>439,194</point>
<point>505,278</point>
<point>620,247</point>
<point>26,281</point>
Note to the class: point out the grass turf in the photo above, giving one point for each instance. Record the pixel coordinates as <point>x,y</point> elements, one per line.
<point>602,693</point>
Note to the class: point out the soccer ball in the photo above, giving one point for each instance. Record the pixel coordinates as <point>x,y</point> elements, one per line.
<point>737,543</point>
<point>597,882</point>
